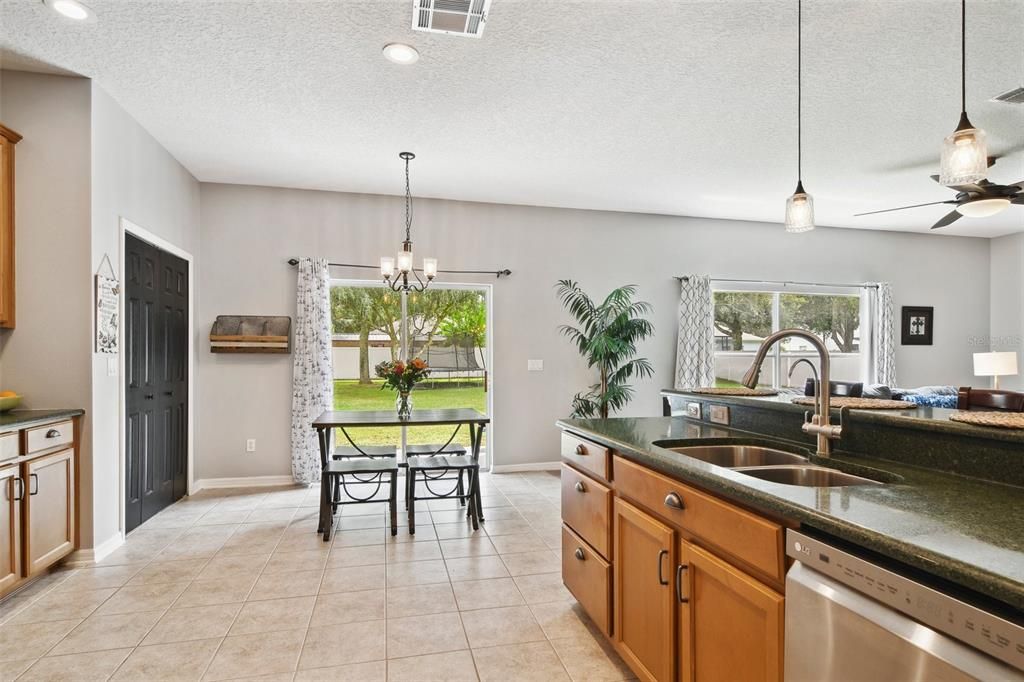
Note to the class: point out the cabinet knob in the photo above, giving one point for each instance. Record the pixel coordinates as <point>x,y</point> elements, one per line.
<point>580,488</point>
<point>579,554</point>
<point>53,433</point>
<point>673,501</point>
<point>581,449</point>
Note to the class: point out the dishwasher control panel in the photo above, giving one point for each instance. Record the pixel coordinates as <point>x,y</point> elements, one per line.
<point>975,627</point>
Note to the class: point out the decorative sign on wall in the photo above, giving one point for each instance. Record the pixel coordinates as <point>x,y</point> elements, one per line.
<point>107,291</point>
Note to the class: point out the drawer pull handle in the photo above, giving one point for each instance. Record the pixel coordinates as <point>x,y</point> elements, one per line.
<point>33,478</point>
<point>579,554</point>
<point>679,583</point>
<point>673,501</point>
<point>661,577</point>
<point>580,488</point>
<point>581,449</point>
<point>53,433</point>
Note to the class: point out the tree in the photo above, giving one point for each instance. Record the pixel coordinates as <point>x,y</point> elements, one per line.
<point>466,325</point>
<point>352,312</point>
<point>607,337</point>
<point>834,318</point>
<point>739,313</point>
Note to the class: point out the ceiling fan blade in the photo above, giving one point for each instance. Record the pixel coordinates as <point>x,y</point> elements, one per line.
<point>901,208</point>
<point>950,217</point>
<point>1019,199</point>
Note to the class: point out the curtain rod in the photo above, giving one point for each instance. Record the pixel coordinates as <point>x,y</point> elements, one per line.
<point>783,282</point>
<point>497,273</point>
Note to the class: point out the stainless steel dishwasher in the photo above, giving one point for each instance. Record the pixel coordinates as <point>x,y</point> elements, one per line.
<point>849,619</point>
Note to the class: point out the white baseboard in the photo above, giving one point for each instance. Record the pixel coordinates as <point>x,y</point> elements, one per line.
<point>242,482</point>
<point>92,555</point>
<point>535,466</point>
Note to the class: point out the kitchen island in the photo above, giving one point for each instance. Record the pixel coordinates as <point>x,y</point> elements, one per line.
<point>725,529</point>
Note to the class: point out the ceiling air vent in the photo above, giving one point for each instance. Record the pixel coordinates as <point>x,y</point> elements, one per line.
<point>1015,96</point>
<point>456,17</point>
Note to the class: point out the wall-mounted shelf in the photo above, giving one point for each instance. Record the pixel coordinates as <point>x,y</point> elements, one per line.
<point>251,334</point>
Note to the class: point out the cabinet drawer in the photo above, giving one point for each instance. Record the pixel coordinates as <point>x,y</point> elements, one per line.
<point>586,508</point>
<point>585,455</point>
<point>588,577</point>
<point>8,446</point>
<point>737,532</point>
<point>49,436</point>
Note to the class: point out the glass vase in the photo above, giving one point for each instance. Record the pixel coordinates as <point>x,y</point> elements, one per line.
<point>403,405</point>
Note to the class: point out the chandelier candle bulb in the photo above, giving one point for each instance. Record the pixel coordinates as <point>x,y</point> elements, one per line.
<point>430,267</point>
<point>387,266</point>
<point>404,260</point>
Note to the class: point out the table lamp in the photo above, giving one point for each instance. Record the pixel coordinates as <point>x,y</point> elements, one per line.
<point>995,365</point>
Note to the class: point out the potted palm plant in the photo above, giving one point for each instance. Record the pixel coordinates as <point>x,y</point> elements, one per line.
<point>606,336</point>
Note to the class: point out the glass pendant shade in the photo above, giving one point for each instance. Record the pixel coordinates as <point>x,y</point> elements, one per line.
<point>387,266</point>
<point>799,211</point>
<point>404,261</point>
<point>983,208</point>
<point>964,156</point>
<point>430,267</point>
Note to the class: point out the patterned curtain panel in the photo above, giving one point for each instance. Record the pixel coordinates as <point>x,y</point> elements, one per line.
<point>883,333</point>
<point>695,346</point>
<point>312,374</point>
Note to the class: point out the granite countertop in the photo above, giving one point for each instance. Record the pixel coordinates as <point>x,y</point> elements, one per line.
<point>20,419</point>
<point>968,531</point>
<point>935,419</point>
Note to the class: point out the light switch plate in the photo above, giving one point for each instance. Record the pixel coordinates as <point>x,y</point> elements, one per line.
<point>693,410</point>
<point>535,365</point>
<point>719,414</point>
<point>112,366</point>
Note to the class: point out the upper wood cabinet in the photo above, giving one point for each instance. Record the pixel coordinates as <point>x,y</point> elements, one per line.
<point>8,138</point>
<point>730,625</point>
<point>643,605</point>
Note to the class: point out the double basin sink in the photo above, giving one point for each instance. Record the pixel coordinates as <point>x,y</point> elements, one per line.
<point>768,464</point>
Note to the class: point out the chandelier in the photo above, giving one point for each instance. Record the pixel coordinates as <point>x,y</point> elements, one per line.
<point>396,271</point>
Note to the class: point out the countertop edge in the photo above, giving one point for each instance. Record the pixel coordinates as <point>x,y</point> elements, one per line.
<point>985,582</point>
<point>28,418</point>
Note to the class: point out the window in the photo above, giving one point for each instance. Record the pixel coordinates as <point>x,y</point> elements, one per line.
<point>744,318</point>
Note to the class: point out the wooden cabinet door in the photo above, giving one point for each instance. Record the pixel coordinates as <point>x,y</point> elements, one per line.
<point>49,510</point>
<point>644,606</point>
<point>11,493</point>
<point>8,138</point>
<point>730,625</point>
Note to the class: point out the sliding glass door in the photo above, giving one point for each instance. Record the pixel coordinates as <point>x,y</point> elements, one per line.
<point>447,326</point>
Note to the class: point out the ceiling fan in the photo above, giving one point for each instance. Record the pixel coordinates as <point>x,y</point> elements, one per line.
<point>975,200</point>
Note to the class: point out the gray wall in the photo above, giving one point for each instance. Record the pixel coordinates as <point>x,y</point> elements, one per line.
<point>249,232</point>
<point>46,357</point>
<point>133,177</point>
<point>1007,304</point>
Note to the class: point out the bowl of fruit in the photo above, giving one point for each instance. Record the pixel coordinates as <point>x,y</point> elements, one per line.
<point>9,400</point>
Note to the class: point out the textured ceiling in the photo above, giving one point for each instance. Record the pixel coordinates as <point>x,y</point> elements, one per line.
<point>676,107</point>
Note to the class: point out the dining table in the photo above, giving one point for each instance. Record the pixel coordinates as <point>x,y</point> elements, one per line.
<point>348,422</point>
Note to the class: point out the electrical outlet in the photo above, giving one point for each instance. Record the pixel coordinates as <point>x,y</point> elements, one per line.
<point>250,445</point>
<point>693,410</point>
<point>534,365</point>
<point>720,414</point>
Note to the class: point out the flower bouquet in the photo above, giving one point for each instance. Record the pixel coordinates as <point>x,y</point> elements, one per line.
<point>402,377</point>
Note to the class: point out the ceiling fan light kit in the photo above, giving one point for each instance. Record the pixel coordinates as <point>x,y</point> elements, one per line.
<point>964,153</point>
<point>799,206</point>
<point>983,208</point>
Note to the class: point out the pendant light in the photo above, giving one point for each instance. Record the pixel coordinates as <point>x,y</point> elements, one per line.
<point>396,271</point>
<point>964,152</point>
<point>800,206</point>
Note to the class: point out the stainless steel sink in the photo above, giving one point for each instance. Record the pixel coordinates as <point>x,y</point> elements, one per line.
<point>807,476</point>
<point>732,456</point>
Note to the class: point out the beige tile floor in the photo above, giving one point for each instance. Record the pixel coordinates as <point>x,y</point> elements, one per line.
<point>236,584</point>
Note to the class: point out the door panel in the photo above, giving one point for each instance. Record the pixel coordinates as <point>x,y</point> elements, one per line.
<point>49,510</point>
<point>644,606</point>
<point>11,492</point>
<point>731,625</point>
<point>156,379</point>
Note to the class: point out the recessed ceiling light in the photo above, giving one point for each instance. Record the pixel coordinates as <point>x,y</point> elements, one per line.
<point>399,53</point>
<point>72,9</point>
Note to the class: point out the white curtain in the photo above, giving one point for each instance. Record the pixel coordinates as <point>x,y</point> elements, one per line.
<point>312,375</point>
<point>695,345</point>
<point>883,333</point>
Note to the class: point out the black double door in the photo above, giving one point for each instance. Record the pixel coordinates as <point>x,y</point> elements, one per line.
<point>156,380</point>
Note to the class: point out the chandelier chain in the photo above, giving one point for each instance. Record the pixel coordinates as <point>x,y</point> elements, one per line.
<point>408,204</point>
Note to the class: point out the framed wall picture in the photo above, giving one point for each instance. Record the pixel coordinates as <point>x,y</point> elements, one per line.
<point>918,322</point>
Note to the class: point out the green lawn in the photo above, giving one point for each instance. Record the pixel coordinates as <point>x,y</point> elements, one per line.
<point>349,394</point>
<point>726,383</point>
